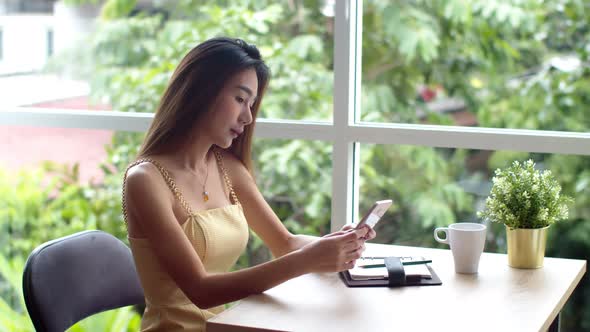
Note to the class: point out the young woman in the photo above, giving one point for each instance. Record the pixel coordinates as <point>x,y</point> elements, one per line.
<point>190,197</point>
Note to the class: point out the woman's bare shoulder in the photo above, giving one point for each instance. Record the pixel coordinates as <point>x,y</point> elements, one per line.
<point>144,174</point>
<point>145,180</point>
<point>146,197</point>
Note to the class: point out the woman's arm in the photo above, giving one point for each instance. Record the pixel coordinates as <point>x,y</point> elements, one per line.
<point>297,241</point>
<point>149,205</point>
<point>262,219</point>
<point>260,216</point>
<point>300,240</point>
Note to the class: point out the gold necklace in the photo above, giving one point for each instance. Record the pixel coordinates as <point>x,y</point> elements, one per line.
<point>205,193</point>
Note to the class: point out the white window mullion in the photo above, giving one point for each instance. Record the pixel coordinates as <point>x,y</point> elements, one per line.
<point>357,51</point>
<point>342,188</point>
<point>68,118</point>
<point>478,138</point>
<point>343,151</point>
<point>286,129</point>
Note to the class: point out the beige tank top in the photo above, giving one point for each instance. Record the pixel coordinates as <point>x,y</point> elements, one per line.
<point>219,236</point>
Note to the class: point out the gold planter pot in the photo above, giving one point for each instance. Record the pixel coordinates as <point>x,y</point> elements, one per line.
<point>526,247</point>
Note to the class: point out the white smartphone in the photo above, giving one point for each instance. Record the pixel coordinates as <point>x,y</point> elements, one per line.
<point>375,213</point>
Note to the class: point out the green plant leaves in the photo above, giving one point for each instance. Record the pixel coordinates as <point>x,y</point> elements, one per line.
<point>523,197</point>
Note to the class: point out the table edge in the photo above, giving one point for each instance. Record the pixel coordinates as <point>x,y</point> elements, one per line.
<point>562,301</point>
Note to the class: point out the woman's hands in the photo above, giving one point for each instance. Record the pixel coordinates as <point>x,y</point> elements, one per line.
<point>370,234</point>
<point>337,251</point>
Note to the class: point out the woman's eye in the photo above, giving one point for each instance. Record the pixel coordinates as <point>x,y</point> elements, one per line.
<point>240,99</point>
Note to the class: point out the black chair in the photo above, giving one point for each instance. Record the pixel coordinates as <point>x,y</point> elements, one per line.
<point>73,277</point>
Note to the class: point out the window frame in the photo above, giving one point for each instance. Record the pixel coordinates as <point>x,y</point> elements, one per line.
<point>1,43</point>
<point>345,132</point>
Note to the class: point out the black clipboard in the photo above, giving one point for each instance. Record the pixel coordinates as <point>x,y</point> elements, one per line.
<point>396,277</point>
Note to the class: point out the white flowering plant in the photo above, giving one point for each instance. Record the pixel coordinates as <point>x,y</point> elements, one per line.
<point>523,197</point>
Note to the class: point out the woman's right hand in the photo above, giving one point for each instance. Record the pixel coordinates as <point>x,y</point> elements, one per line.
<point>334,252</point>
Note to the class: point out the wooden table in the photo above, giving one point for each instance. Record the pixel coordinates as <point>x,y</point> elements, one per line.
<point>498,298</point>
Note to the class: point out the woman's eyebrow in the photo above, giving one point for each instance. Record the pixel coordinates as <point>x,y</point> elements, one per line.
<point>246,90</point>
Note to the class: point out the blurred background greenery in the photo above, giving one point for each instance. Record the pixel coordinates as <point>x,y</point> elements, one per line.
<point>504,64</point>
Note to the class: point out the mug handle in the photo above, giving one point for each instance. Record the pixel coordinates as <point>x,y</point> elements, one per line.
<point>444,230</point>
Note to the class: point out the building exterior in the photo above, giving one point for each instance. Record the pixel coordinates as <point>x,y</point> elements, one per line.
<point>32,31</point>
<point>28,6</point>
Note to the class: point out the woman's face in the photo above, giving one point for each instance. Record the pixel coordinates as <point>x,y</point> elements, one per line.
<point>232,110</point>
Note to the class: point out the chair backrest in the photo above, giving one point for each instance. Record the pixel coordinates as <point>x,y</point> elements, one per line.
<point>73,277</point>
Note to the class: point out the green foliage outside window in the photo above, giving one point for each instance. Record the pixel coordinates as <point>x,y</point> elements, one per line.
<point>494,55</point>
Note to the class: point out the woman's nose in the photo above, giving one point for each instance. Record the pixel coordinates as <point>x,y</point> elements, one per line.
<point>246,116</point>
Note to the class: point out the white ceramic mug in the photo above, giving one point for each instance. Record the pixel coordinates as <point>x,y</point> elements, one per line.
<point>467,241</point>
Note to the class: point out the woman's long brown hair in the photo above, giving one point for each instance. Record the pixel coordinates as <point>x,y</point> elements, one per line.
<point>193,88</point>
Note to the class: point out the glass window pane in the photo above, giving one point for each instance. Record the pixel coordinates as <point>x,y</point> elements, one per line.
<point>295,177</point>
<point>58,181</point>
<point>55,182</point>
<point>523,64</point>
<point>295,38</point>
<point>436,187</point>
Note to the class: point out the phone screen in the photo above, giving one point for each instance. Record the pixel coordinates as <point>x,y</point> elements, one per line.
<point>375,213</point>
